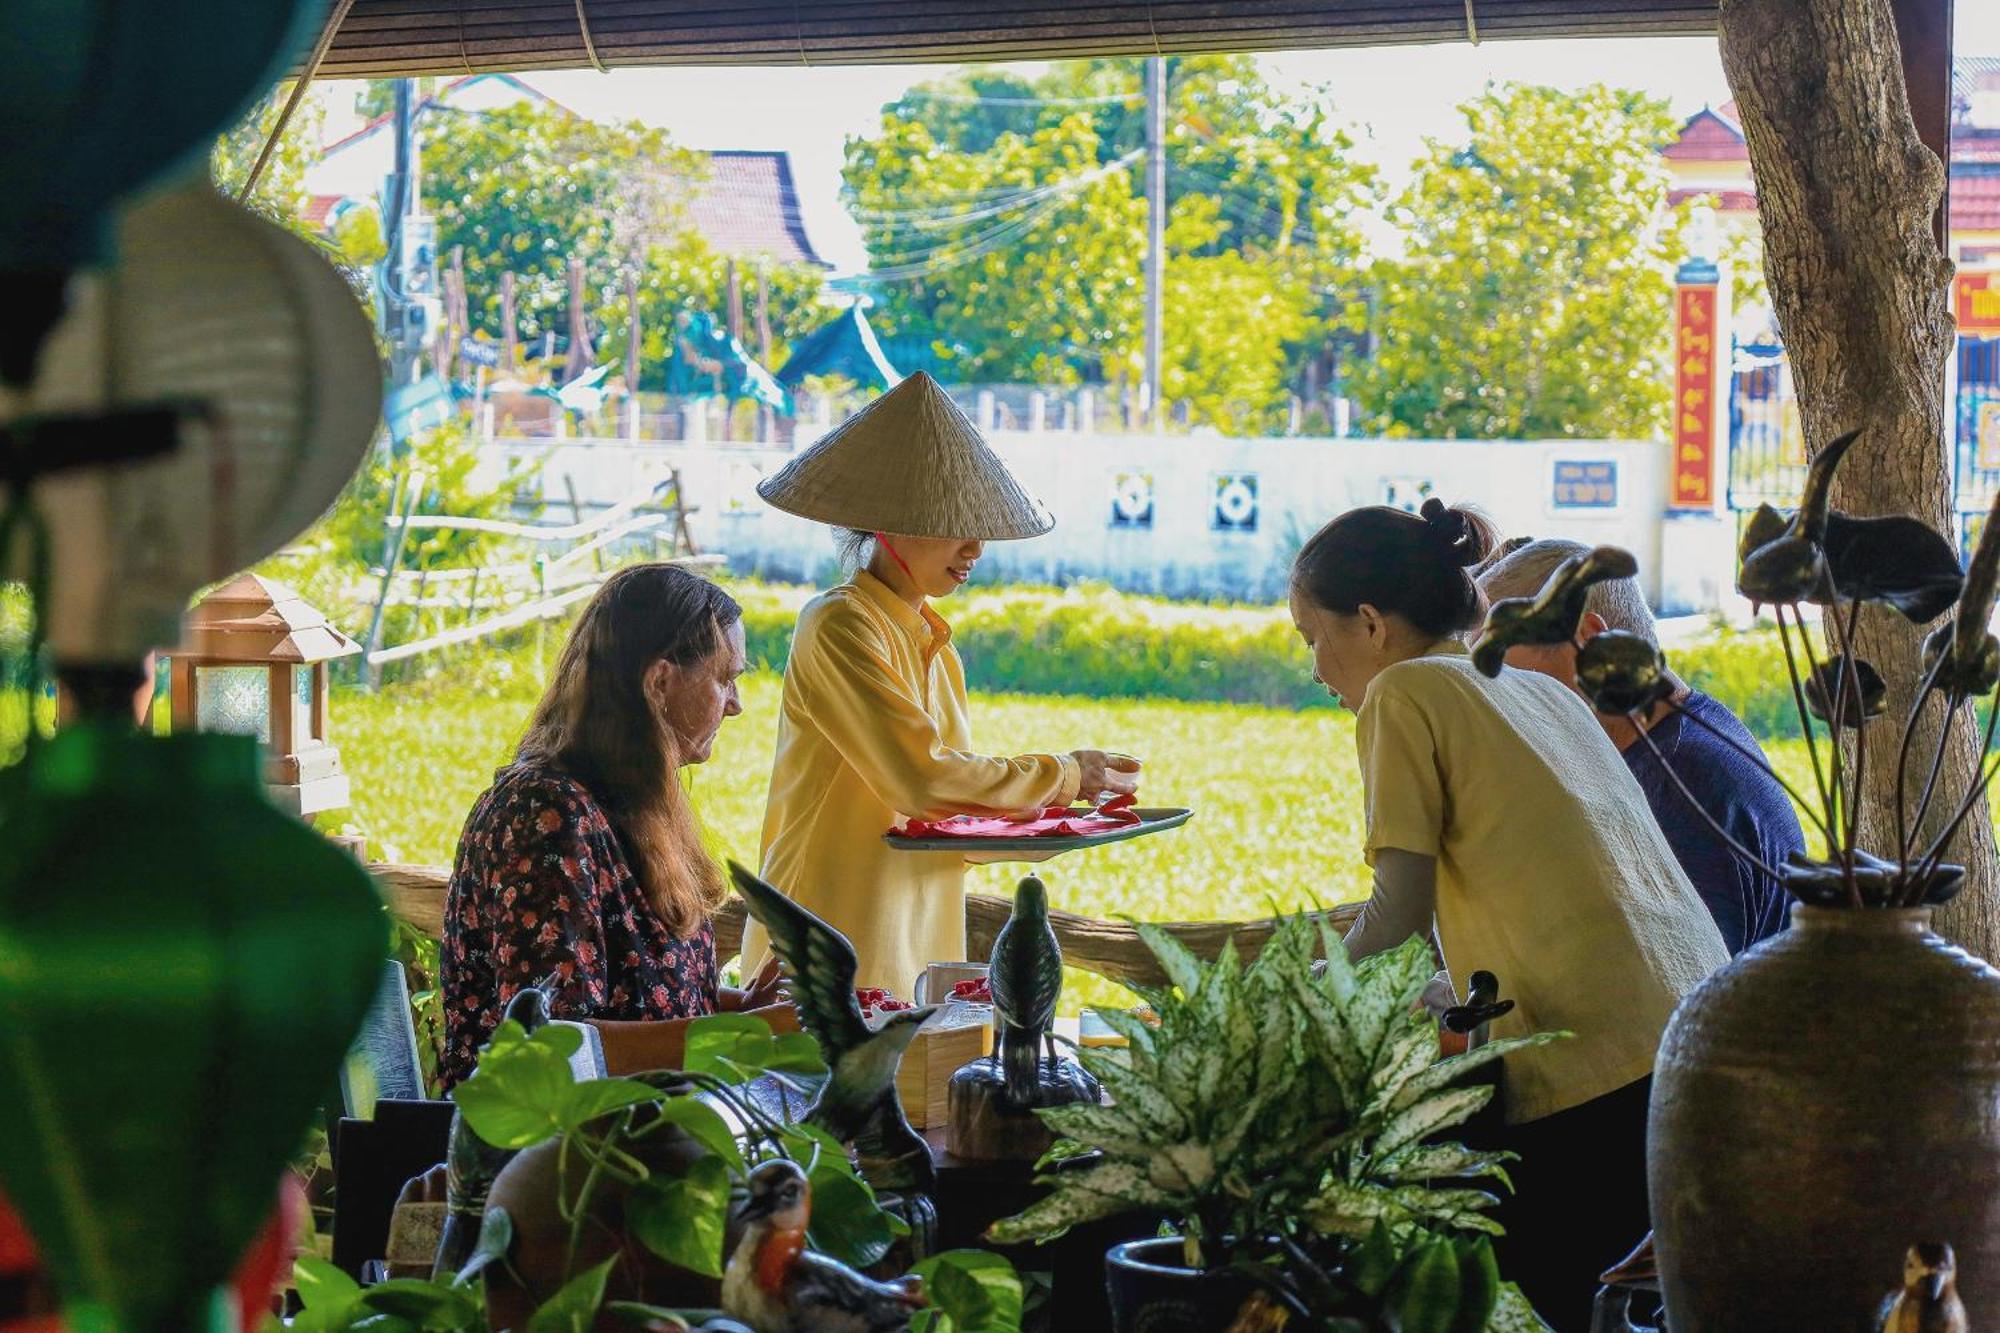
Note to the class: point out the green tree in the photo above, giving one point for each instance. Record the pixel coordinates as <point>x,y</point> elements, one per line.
<point>1005,223</point>
<point>1534,298</point>
<point>528,187</point>
<point>281,188</point>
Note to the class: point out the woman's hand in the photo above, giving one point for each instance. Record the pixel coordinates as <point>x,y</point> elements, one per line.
<point>1105,773</point>
<point>767,988</point>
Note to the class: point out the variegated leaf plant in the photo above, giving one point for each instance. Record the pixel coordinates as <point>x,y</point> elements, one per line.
<point>1269,1101</point>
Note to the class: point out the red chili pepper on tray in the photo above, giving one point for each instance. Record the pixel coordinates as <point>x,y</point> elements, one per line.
<point>977,990</point>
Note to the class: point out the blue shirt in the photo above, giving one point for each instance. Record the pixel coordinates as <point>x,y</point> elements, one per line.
<point>1738,795</point>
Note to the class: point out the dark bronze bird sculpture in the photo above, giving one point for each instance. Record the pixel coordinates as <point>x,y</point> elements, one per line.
<point>776,1285</point>
<point>472,1164</point>
<point>1784,561</point>
<point>1928,1302</point>
<point>1026,977</point>
<point>858,1103</point>
<point>1553,614</point>
<point>1962,657</point>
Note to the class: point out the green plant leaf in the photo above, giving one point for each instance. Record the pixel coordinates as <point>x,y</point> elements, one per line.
<point>1430,1115</point>
<point>1428,1301</point>
<point>1082,1196</point>
<point>520,1091</point>
<point>1452,1068</point>
<point>573,1309</point>
<point>978,1291</point>
<point>732,1047</point>
<point>428,1305</point>
<point>1183,969</point>
<point>705,1125</point>
<point>595,1097</point>
<point>682,1218</point>
<point>326,1292</point>
<point>1442,1161</point>
<point>1478,1284</point>
<point>496,1237</point>
<point>1513,1314</point>
<point>847,1223</point>
<point>795,1053</point>
<point>1374,1262</point>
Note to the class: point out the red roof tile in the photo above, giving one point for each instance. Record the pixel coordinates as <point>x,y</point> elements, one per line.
<point>1975,202</point>
<point>1726,201</point>
<point>1708,137</point>
<point>748,206</point>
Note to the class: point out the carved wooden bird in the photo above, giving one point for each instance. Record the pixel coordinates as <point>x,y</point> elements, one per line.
<point>1928,1302</point>
<point>858,1102</point>
<point>776,1285</point>
<point>1026,977</point>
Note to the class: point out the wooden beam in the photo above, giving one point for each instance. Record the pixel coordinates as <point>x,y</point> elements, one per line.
<point>1106,948</point>
<point>1923,30</point>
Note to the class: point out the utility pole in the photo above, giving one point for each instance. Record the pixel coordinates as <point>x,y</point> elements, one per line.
<point>410,306</point>
<point>1156,229</point>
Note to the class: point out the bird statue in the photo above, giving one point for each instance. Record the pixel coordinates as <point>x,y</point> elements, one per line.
<point>1784,560</point>
<point>472,1164</point>
<point>858,1103</point>
<point>1551,615</point>
<point>774,1284</point>
<point>1928,1302</point>
<point>1026,977</point>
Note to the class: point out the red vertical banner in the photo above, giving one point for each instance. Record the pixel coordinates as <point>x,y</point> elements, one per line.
<point>1694,392</point>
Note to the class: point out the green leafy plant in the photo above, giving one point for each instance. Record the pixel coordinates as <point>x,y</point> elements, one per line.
<point>524,1093</point>
<point>1425,1283</point>
<point>1270,1105</point>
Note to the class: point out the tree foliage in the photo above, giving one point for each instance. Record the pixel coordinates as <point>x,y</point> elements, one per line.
<point>1534,297</point>
<point>1005,220</point>
<point>529,187</point>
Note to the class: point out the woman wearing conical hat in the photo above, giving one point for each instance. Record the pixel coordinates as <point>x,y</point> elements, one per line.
<point>874,726</point>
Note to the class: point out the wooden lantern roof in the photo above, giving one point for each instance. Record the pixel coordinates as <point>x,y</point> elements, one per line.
<point>255,619</point>
<point>388,38</point>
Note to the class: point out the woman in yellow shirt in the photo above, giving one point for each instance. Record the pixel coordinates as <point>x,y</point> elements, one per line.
<point>874,727</point>
<point>1498,813</point>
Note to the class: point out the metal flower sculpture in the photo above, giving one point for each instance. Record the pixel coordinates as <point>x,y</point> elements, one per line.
<point>1551,616</point>
<point>1820,556</point>
<point>858,1103</point>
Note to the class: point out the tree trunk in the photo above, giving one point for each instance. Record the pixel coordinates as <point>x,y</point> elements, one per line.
<point>1847,194</point>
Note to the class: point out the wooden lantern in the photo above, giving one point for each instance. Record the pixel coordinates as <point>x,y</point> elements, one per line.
<point>254,662</point>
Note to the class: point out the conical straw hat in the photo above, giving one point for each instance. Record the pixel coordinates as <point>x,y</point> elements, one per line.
<point>910,462</point>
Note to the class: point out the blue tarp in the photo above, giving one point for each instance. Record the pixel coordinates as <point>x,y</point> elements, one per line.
<point>844,346</point>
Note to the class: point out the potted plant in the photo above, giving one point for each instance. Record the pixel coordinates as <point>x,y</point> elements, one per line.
<point>1826,1100</point>
<point>1285,1122</point>
<point>624,1190</point>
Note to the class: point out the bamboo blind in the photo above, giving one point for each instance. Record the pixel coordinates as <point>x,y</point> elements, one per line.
<point>384,38</point>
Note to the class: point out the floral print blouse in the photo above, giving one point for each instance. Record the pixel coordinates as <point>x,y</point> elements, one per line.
<point>542,893</point>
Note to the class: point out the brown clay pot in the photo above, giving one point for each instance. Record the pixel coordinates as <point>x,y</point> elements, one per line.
<point>1826,1100</point>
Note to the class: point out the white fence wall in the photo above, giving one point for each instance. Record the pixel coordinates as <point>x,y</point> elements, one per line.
<point>1224,518</point>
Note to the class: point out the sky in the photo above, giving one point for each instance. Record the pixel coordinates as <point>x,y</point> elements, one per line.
<point>1393,98</point>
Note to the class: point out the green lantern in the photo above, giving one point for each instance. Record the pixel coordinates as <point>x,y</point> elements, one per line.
<point>181,969</point>
<point>100,99</point>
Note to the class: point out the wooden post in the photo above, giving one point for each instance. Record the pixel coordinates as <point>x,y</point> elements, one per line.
<point>632,355</point>
<point>508,334</point>
<point>766,419</point>
<point>580,356</point>
<point>735,285</point>
<point>1849,194</point>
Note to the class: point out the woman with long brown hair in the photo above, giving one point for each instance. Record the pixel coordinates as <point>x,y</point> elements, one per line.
<point>581,868</point>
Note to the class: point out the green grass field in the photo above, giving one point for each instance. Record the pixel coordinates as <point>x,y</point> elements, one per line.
<point>1275,791</point>
<point>419,755</point>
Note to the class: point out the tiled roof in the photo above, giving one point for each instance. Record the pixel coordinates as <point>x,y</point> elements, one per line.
<point>1726,201</point>
<point>1708,137</point>
<point>1975,202</point>
<point>318,206</point>
<point>748,206</point>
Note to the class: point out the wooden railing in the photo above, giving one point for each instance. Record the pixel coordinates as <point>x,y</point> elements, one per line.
<point>1107,948</point>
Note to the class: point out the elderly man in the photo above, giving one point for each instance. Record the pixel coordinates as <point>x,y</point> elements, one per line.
<point>1735,792</point>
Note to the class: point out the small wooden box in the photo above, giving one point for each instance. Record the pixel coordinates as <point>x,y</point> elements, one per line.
<point>956,1034</point>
